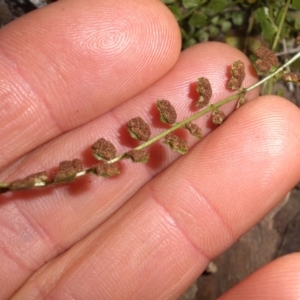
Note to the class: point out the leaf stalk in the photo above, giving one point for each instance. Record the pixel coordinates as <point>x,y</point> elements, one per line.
<point>5,187</point>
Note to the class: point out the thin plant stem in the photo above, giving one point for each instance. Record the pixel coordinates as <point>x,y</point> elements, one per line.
<point>5,187</point>
<point>274,45</point>
<point>283,16</point>
<point>210,108</point>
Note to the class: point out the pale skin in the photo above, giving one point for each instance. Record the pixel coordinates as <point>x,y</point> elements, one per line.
<point>76,71</point>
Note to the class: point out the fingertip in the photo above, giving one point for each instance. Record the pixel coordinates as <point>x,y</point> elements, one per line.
<point>253,161</point>
<point>72,61</point>
<point>235,175</point>
<point>277,280</point>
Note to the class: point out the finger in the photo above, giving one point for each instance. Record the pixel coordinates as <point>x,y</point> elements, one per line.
<point>72,61</point>
<point>277,280</point>
<point>163,238</point>
<point>87,203</point>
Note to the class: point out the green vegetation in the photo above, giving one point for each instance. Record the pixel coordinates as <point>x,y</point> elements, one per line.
<point>242,24</point>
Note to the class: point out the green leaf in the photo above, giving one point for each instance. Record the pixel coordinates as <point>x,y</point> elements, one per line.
<point>214,31</point>
<point>280,93</point>
<point>235,41</point>
<point>176,12</point>
<point>262,16</point>
<point>183,33</point>
<point>202,35</point>
<point>190,3</point>
<point>285,30</point>
<point>215,20</point>
<point>238,18</point>
<point>296,4</point>
<point>296,65</point>
<point>190,42</point>
<point>198,19</point>
<point>216,6</point>
<point>297,20</point>
<point>191,30</point>
<point>253,44</point>
<point>225,26</point>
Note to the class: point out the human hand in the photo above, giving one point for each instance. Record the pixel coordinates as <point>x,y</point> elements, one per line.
<point>76,71</point>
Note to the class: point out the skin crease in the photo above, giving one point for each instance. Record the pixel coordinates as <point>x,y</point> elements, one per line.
<point>124,238</point>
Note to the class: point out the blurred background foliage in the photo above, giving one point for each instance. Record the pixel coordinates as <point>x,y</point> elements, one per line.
<point>245,24</point>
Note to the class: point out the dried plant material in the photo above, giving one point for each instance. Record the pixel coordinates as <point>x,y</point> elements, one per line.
<point>267,59</point>
<point>176,143</point>
<point>67,170</point>
<point>211,268</point>
<point>194,129</point>
<point>237,75</point>
<point>205,92</point>
<point>139,129</point>
<point>262,65</point>
<point>297,40</point>
<point>33,180</point>
<point>137,155</point>
<point>167,111</point>
<point>242,100</point>
<point>106,169</point>
<point>104,150</point>
<point>267,55</point>
<point>291,77</point>
<point>4,187</point>
<point>218,117</point>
